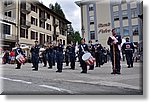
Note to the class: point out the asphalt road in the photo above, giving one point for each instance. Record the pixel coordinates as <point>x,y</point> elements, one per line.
<point>71,82</point>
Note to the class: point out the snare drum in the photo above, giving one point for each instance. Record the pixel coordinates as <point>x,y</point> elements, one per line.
<point>88,58</point>
<point>20,58</point>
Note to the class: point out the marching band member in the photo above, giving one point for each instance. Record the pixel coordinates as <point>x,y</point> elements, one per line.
<point>50,55</point>
<point>114,42</point>
<point>72,56</point>
<point>82,48</point>
<point>128,48</point>
<point>59,56</point>
<point>92,51</point>
<point>17,52</point>
<point>35,55</point>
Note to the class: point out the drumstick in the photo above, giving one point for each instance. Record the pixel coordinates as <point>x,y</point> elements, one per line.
<point>114,58</point>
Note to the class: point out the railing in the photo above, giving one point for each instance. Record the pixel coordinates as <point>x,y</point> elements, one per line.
<point>25,23</point>
<point>26,8</point>
<point>9,19</point>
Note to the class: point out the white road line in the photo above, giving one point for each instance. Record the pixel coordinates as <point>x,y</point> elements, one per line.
<point>107,83</point>
<point>15,80</point>
<point>56,88</point>
<point>45,86</point>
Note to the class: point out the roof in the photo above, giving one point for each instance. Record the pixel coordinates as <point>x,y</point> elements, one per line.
<point>52,12</point>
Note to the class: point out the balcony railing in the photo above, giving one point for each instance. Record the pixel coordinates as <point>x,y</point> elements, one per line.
<point>9,19</point>
<point>25,24</point>
<point>26,8</point>
<point>11,37</point>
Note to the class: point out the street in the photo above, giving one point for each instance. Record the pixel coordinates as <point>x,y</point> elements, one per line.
<point>71,82</point>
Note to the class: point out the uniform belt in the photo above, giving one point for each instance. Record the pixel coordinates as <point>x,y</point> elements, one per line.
<point>128,49</point>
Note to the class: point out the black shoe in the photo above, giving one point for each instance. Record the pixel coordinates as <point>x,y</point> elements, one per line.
<point>32,66</point>
<point>131,65</point>
<point>35,69</point>
<point>58,71</point>
<point>128,66</point>
<point>83,72</point>
<point>91,69</point>
<point>96,66</point>
<point>17,68</point>
<point>44,66</point>
<point>113,72</point>
<point>118,73</point>
<point>49,67</point>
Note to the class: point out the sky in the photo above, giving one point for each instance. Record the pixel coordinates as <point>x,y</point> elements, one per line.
<point>71,10</point>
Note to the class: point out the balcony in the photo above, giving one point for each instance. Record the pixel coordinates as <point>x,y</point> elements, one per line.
<point>25,24</point>
<point>6,18</point>
<point>42,16</point>
<point>9,37</point>
<point>25,8</point>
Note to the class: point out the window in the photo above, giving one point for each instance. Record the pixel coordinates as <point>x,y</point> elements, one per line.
<point>91,7</point>
<point>92,35</point>
<point>135,30</point>
<point>116,15</point>
<point>123,1</point>
<point>36,35</point>
<point>48,15</point>
<point>33,21</point>
<point>134,13</point>
<point>42,24</point>
<point>118,31</point>
<point>124,14</point>
<point>26,34</point>
<point>6,29</point>
<point>91,20</point>
<point>8,2</point>
<point>126,31</point>
<point>33,8</point>
<point>33,35</point>
<point>48,26</point>
<point>64,42</point>
<point>22,33</point>
<point>8,13</point>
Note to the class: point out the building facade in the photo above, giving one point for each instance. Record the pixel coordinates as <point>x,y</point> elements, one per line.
<point>33,21</point>
<point>100,16</point>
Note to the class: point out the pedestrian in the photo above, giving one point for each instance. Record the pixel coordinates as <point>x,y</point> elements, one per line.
<point>59,56</point>
<point>114,42</point>
<point>91,47</point>
<point>35,55</point>
<point>18,51</point>
<point>82,48</point>
<point>12,56</point>
<point>72,56</point>
<point>128,48</point>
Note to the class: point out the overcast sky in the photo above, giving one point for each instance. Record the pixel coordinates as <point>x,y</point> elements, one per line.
<point>71,10</point>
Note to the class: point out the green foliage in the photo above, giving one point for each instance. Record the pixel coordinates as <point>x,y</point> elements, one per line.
<point>74,37</point>
<point>57,8</point>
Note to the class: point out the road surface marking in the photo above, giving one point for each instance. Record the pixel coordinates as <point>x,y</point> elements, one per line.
<point>45,86</point>
<point>15,80</point>
<point>107,83</point>
<point>56,88</point>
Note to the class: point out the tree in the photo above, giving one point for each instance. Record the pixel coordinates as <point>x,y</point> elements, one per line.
<point>74,37</point>
<point>57,9</point>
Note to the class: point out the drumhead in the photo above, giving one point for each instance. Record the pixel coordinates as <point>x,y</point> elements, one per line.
<point>86,56</point>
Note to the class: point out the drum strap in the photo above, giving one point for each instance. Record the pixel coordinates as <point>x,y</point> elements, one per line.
<point>82,48</point>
